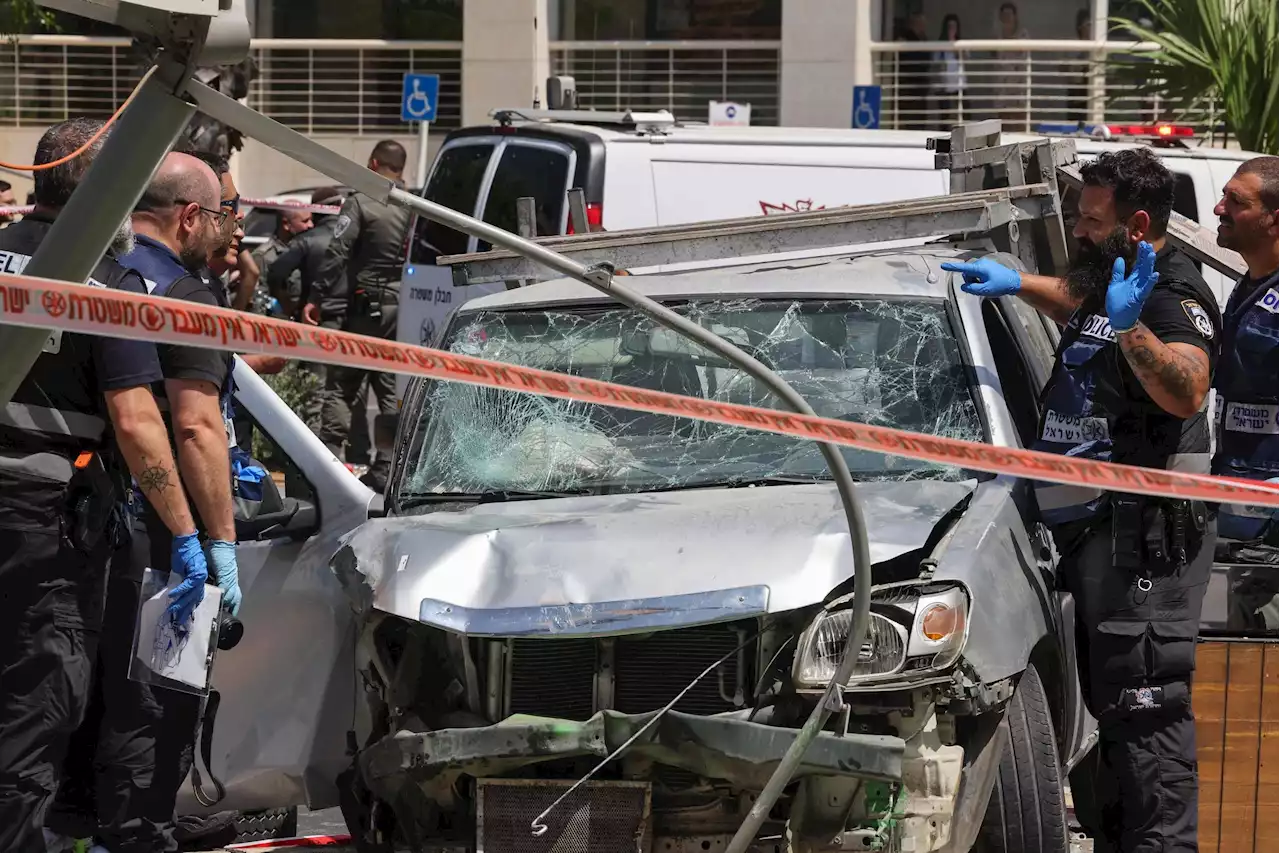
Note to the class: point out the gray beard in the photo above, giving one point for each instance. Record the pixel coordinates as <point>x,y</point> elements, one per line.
<point>122,243</point>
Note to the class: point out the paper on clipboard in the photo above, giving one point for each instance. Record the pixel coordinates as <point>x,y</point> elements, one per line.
<point>164,656</point>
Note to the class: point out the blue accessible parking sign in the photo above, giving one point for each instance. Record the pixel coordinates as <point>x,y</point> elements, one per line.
<point>419,97</point>
<point>866,107</point>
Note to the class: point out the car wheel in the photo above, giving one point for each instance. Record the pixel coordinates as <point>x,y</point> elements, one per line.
<point>1027,811</point>
<point>267,825</point>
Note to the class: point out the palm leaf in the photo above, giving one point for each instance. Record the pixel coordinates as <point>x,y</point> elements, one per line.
<point>1214,56</point>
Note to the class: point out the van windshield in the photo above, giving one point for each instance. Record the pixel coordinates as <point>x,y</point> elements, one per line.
<point>881,361</point>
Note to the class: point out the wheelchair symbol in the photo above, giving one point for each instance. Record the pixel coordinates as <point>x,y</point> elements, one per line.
<point>864,115</point>
<point>417,96</point>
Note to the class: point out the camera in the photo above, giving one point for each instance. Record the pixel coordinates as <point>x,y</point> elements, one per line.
<point>230,630</point>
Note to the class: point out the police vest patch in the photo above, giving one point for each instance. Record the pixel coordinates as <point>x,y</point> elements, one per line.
<point>340,226</point>
<point>1199,317</point>
<point>1270,301</point>
<point>1097,326</point>
<point>11,263</point>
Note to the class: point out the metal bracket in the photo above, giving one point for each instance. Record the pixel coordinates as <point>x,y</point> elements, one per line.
<point>965,214</point>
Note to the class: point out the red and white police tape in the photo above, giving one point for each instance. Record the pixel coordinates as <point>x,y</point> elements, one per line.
<point>266,203</point>
<point>44,304</point>
<point>300,841</point>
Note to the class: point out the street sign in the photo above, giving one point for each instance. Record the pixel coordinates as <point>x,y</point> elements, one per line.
<point>728,113</point>
<point>419,96</point>
<point>866,107</point>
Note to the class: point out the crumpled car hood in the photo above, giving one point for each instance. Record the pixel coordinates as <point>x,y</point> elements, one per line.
<point>768,549</point>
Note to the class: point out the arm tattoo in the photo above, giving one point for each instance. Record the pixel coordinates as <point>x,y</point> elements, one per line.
<point>1177,374</point>
<point>154,478</point>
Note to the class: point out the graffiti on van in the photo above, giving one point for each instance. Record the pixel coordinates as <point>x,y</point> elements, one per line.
<point>800,206</point>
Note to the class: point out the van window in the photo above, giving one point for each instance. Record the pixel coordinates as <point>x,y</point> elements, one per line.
<point>1184,196</point>
<point>455,183</point>
<point>536,171</point>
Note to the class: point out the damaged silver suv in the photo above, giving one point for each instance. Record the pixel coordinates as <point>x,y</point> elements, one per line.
<point>558,583</point>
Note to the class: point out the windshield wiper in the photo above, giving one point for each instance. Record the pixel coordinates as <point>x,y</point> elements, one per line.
<point>777,480</point>
<point>413,499</point>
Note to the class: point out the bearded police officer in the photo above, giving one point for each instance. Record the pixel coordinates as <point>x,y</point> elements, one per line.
<point>1248,416</point>
<point>82,420</point>
<point>1129,385</point>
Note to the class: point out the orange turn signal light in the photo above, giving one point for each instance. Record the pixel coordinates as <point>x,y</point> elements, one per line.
<point>941,621</point>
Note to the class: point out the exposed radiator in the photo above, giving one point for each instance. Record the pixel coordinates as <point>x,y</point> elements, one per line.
<point>650,671</point>
<point>553,678</point>
<point>557,678</point>
<point>599,817</point>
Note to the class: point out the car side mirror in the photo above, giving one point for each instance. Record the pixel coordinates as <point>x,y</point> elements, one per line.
<point>297,520</point>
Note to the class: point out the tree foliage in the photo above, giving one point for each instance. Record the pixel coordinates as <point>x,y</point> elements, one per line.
<point>1211,51</point>
<point>24,16</point>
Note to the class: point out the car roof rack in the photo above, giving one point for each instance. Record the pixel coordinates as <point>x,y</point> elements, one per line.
<point>645,122</point>
<point>1006,193</point>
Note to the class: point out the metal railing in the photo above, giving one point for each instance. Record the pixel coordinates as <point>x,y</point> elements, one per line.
<point>680,76</point>
<point>352,86</point>
<point>933,85</point>
<point>317,86</point>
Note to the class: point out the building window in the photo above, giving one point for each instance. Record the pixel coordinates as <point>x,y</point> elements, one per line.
<point>669,20</point>
<point>427,20</point>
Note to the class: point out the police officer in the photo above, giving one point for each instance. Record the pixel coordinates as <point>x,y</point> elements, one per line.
<point>82,420</point>
<point>290,224</point>
<point>366,254</point>
<point>292,273</point>
<point>292,276</point>
<point>1129,386</point>
<point>1248,417</point>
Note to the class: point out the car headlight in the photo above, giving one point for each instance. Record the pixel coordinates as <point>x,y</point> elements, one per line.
<point>915,629</point>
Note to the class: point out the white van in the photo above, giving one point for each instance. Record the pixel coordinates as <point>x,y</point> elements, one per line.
<point>640,171</point>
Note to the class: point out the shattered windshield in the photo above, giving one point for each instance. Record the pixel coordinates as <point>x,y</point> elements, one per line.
<point>890,362</point>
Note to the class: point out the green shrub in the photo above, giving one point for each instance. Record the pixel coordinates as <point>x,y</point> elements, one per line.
<point>299,388</point>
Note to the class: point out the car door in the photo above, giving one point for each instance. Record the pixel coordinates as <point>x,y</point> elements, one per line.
<point>1024,345</point>
<point>288,688</point>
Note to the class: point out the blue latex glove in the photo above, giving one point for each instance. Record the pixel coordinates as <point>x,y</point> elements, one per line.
<point>1126,294</point>
<point>250,473</point>
<point>223,557</point>
<point>985,277</point>
<point>187,561</point>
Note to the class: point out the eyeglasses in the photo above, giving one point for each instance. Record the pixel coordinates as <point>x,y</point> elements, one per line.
<point>219,216</point>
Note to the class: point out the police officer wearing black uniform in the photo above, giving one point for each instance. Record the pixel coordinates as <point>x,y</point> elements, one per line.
<point>1248,417</point>
<point>81,422</point>
<point>1130,385</point>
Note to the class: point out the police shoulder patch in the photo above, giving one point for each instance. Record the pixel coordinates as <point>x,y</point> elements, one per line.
<point>340,226</point>
<point>1198,317</point>
<point>1270,301</point>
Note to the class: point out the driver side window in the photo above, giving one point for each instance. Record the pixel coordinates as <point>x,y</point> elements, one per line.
<point>1021,395</point>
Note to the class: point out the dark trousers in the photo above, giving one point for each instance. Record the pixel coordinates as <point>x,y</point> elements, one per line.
<point>50,612</point>
<point>344,388</point>
<point>136,745</point>
<point>1138,791</point>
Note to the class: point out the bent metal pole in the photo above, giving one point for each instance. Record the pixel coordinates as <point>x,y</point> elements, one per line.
<point>297,146</point>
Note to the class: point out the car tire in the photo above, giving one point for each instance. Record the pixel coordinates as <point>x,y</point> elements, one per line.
<point>1027,811</point>
<point>267,825</point>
